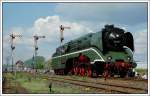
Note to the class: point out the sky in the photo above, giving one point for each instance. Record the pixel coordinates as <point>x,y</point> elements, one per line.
<point>29,19</point>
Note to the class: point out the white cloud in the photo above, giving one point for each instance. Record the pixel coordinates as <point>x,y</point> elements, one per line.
<point>140,38</point>
<point>49,27</point>
<point>141,45</point>
<point>82,18</point>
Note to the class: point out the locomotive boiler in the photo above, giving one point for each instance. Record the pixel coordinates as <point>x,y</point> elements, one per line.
<point>107,52</point>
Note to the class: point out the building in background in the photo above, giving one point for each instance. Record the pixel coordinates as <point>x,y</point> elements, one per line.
<point>19,65</point>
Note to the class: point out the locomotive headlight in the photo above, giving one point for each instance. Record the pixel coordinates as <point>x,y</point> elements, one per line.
<point>117,35</point>
<point>109,58</point>
<point>129,58</point>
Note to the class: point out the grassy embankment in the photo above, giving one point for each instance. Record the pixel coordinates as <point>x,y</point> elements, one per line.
<point>36,85</point>
<point>141,71</point>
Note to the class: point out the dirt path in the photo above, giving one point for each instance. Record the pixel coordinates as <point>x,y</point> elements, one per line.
<point>9,87</point>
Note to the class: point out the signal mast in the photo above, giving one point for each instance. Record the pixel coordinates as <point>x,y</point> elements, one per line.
<point>62,28</point>
<point>13,47</point>
<point>36,38</point>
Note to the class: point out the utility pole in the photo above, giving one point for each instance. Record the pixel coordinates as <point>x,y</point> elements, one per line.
<point>62,28</point>
<point>13,47</point>
<point>36,38</point>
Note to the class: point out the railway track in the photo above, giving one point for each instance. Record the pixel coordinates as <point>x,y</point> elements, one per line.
<point>109,88</point>
<point>130,79</point>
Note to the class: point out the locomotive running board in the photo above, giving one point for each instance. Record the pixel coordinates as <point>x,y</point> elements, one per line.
<point>96,60</point>
<point>82,51</point>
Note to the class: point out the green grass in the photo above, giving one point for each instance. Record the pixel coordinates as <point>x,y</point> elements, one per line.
<point>37,85</point>
<point>141,70</point>
<point>65,88</point>
<point>32,84</point>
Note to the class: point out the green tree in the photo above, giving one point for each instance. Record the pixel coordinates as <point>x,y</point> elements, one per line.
<point>39,62</point>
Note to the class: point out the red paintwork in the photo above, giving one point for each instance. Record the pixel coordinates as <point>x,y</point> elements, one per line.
<point>82,71</point>
<point>121,65</point>
<point>83,58</point>
<point>89,72</point>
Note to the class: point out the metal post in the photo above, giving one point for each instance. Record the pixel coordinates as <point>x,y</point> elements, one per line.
<point>7,61</point>
<point>12,55</point>
<point>12,62</point>
<point>35,52</point>
<point>13,48</point>
<point>33,62</point>
<point>61,39</point>
<point>36,49</point>
<point>60,51</point>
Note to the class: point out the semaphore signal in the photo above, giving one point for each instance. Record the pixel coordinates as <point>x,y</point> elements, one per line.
<point>36,38</point>
<point>62,28</point>
<point>61,32</point>
<point>12,36</point>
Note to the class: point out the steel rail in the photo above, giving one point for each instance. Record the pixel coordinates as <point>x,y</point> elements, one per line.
<point>122,86</point>
<point>89,84</point>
